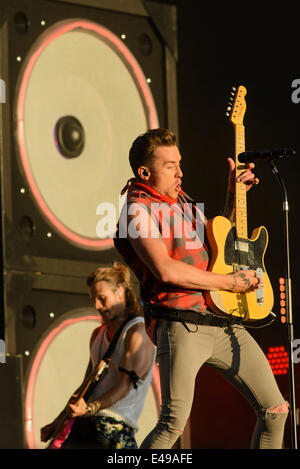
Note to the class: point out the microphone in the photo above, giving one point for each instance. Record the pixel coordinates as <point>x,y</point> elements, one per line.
<point>250,156</point>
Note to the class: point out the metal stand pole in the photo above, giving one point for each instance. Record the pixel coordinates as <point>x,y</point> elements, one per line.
<point>290,325</point>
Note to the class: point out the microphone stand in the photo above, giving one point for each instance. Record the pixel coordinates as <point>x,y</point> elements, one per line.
<point>288,286</point>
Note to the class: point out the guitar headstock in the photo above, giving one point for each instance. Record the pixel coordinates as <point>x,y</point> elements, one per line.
<point>236,107</point>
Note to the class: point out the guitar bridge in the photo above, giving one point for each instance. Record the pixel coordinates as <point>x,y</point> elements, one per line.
<point>259,273</point>
<point>260,291</point>
<point>237,267</point>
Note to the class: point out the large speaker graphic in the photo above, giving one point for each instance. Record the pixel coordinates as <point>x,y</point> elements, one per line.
<point>83,78</point>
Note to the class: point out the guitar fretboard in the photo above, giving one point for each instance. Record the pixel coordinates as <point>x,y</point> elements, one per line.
<point>240,187</point>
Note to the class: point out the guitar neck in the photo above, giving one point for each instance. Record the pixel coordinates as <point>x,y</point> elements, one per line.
<point>241,223</point>
<point>93,379</point>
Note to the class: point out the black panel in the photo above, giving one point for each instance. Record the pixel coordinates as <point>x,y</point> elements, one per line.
<point>253,258</point>
<point>11,416</point>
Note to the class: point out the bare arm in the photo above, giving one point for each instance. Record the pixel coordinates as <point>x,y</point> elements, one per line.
<point>153,252</point>
<point>138,356</point>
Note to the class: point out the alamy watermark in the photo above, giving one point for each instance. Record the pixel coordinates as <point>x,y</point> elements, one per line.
<point>296,353</point>
<point>185,221</point>
<point>2,351</point>
<point>296,93</point>
<point>2,91</point>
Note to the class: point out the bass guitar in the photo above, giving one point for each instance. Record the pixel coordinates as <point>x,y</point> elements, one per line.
<point>232,250</point>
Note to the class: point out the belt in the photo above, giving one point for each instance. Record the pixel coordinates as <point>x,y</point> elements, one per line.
<point>192,317</point>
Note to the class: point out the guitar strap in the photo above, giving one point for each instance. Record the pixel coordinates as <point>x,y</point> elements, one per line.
<point>113,343</point>
<point>108,354</point>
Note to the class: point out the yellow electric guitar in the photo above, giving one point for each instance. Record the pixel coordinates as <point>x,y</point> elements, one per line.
<point>232,250</point>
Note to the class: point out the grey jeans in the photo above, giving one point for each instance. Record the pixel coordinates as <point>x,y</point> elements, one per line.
<point>231,350</point>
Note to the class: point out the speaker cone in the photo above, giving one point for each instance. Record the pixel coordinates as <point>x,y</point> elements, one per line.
<point>81,100</point>
<point>69,136</point>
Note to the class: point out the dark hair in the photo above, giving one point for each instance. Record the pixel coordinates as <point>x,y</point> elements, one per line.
<point>116,276</point>
<point>144,145</point>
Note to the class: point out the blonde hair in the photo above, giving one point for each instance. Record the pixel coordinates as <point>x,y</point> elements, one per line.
<point>117,276</point>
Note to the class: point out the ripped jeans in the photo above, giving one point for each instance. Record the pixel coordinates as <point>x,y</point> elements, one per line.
<point>237,356</point>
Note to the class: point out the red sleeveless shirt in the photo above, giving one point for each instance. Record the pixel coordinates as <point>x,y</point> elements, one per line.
<point>173,219</point>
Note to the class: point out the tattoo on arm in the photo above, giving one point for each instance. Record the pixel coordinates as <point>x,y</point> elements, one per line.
<point>243,277</point>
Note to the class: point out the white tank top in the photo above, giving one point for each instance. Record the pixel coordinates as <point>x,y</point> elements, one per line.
<point>129,408</point>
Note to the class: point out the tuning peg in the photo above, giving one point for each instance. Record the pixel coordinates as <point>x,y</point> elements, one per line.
<point>233,88</point>
<point>229,108</point>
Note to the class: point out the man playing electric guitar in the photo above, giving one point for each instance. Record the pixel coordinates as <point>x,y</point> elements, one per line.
<point>109,418</point>
<point>173,273</point>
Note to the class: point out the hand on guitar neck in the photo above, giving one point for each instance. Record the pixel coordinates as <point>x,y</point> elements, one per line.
<point>247,176</point>
<point>245,280</point>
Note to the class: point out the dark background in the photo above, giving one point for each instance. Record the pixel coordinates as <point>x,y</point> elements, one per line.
<point>220,46</point>
<point>218,50</point>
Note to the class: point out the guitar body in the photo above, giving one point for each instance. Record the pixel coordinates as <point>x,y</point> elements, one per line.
<point>61,436</point>
<point>230,254</point>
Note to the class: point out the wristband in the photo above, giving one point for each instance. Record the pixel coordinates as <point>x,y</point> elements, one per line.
<point>92,408</point>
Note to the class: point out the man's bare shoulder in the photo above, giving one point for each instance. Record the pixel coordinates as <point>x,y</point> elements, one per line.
<point>95,333</point>
<point>137,336</point>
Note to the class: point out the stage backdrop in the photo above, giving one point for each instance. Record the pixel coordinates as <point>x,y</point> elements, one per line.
<point>82,79</point>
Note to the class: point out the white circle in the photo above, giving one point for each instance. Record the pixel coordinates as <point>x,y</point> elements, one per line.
<point>80,73</point>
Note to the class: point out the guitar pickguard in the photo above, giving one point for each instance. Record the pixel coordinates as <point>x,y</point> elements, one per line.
<point>251,257</point>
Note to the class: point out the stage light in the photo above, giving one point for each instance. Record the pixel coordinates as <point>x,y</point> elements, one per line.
<point>282,300</point>
<point>278,358</point>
